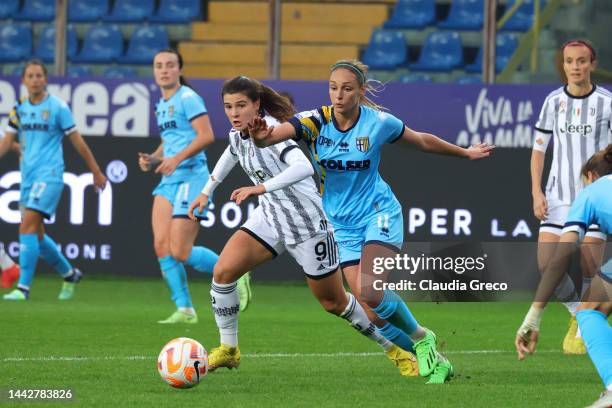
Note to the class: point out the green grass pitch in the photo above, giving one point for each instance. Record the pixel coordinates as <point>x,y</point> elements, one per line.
<point>104,343</point>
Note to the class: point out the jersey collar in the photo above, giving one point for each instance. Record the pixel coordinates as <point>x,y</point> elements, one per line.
<point>579,97</point>
<point>333,117</point>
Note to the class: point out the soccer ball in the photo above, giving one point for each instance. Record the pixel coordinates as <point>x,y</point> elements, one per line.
<point>182,362</point>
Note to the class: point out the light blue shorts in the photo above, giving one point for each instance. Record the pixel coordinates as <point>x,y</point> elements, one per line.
<point>386,228</point>
<point>41,196</point>
<point>181,194</point>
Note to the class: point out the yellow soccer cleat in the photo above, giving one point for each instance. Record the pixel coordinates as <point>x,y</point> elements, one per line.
<point>224,356</point>
<point>571,343</point>
<point>404,360</point>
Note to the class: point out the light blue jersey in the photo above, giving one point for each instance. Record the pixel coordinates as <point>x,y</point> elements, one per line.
<point>40,129</point>
<point>174,118</point>
<point>358,202</point>
<point>592,206</point>
<point>353,190</point>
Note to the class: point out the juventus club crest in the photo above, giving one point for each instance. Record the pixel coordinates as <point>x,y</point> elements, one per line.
<point>363,143</point>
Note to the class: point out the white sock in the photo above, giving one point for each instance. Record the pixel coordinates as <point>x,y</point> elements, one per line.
<point>226,305</point>
<point>578,335</point>
<point>5,260</point>
<point>187,310</point>
<point>566,291</point>
<point>358,318</point>
<point>572,307</point>
<point>609,387</point>
<point>418,334</point>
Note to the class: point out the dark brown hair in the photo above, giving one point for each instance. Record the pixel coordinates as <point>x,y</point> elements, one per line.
<point>271,101</point>
<point>600,163</point>
<point>34,62</point>
<point>573,43</point>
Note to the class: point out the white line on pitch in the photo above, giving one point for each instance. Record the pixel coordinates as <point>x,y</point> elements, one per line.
<point>257,355</point>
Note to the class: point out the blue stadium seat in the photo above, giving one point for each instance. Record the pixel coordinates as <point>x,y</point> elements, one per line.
<point>468,79</point>
<point>442,52</point>
<point>103,43</point>
<point>120,72</point>
<point>178,11</point>
<point>145,42</point>
<point>522,19</point>
<point>36,10</point>
<point>84,11</point>
<point>17,70</point>
<point>15,42</point>
<point>386,50</point>
<point>8,8</point>
<point>76,71</point>
<point>464,15</point>
<point>45,50</point>
<point>505,45</point>
<point>412,78</point>
<point>131,11</point>
<point>412,14</point>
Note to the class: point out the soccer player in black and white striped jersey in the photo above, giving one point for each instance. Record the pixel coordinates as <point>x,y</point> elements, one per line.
<point>289,217</point>
<point>578,117</point>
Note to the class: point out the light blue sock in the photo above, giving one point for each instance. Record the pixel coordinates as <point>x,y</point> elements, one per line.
<point>393,309</point>
<point>202,259</point>
<point>176,278</point>
<point>396,336</point>
<point>597,335</point>
<point>29,250</point>
<point>53,256</point>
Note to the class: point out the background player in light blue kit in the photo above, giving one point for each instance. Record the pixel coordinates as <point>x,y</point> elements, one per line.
<point>185,130</point>
<point>592,206</point>
<point>40,122</point>
<point>345,140</point>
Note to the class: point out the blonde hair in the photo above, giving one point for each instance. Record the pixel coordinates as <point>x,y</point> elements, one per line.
<point>371,86</point>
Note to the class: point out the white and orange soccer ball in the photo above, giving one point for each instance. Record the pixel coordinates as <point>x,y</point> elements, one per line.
<point>182,362</point>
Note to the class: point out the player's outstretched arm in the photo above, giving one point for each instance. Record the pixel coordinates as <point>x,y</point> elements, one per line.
<point>264,135</point>
<point>429,143</point>
<point>204,137</point>
<point>85,152</point>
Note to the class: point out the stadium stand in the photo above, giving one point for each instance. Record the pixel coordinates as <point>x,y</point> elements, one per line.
<point>464,15</point>
<point>144,43</point>
<point>8,8</point>
<point>505,45</point>
<point>442,52</point>
<point>103,44</point>
<point>412,14</point>
<point>45,48</point>
<point>386,50</point>
<point>87,11</point>
<point>178,11</point>
<point>15,42</point>
<point>36,10</point>
<point>131,11</point>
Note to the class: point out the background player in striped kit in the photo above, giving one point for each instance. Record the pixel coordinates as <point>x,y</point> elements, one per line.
<point>593,205</point>
<point>345,140</point>
<point>289,217</point>
<point>185,130</point>
<point>578,116</point>
<point>40,122</point>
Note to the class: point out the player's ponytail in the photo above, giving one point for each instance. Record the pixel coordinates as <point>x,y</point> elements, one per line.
<point>600,164</point>
<point>371,86</point>
<point>270,101</point>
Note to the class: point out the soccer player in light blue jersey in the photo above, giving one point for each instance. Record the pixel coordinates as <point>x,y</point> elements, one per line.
<point>40,122</point>
<point>345,141</point>
<point>593,205</point>
<point>185,130</point>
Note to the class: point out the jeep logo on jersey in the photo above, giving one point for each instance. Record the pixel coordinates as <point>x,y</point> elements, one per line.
<point>583,129</point>
<point>363,143</point>
<point>322,140</point>
<point>351,165</point>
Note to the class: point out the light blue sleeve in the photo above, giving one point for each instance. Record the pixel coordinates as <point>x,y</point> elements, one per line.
<point>392,127</point>
<point>66,121</point>
<point>193,105</point>
<point>581,213</point>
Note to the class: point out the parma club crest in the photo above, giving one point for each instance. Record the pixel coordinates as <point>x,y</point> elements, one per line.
<point>45,115</point>
<point>363,143</point>
<point>171,111</point>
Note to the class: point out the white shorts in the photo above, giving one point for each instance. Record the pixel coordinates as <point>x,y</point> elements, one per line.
<point>318,255</point>
<point>556,218</point>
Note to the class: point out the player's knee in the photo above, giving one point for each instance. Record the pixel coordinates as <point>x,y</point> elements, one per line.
<point>162,248</point>
<point>333,306</point>
<point>179,254</point>
<point>223,274</point>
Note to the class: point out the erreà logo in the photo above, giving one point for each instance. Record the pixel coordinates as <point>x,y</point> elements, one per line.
<point>77,184</point>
